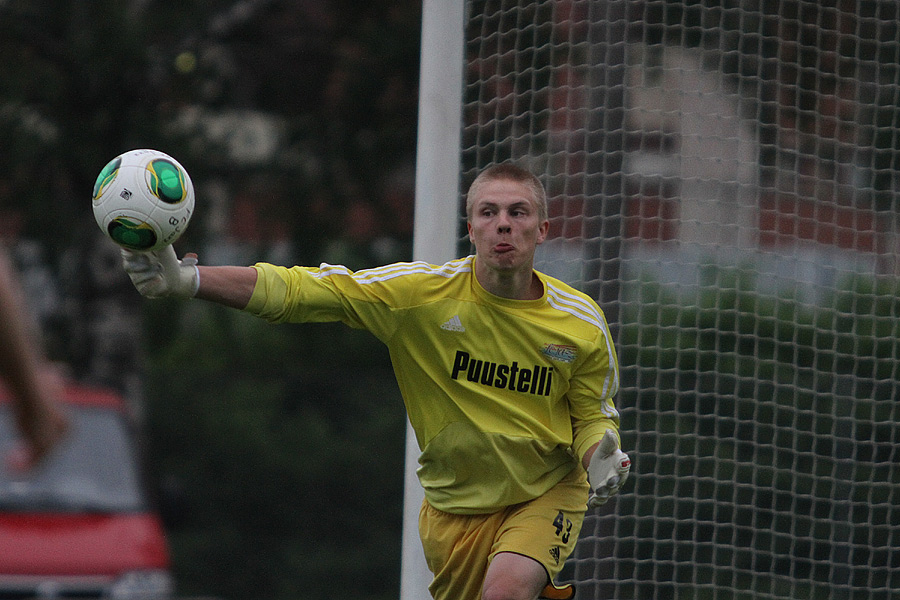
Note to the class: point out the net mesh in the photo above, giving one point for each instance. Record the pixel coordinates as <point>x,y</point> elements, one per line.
<point>723,179</point>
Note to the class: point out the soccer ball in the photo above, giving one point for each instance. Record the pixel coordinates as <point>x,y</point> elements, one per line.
<point>143,200</point>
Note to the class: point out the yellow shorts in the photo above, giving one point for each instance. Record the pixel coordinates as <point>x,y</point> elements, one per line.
<point>459,548</point>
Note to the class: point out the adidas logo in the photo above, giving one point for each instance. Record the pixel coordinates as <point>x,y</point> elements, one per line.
<point>453,324</point>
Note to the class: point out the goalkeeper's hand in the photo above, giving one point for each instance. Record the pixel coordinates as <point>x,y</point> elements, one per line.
<point>159,273</point>
<point>607,470</point>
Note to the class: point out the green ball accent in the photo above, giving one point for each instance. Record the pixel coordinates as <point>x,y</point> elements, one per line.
<point>106,176</point>
<point>131,234</point>
<point>167,181</point>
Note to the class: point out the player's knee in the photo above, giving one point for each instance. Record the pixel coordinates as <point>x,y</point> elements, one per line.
<point>507,590</point>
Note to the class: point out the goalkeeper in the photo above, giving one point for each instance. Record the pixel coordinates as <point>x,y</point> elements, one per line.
<point>508,378</point>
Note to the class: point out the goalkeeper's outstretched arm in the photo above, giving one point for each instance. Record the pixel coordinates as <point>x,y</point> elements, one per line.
<point>160,274</point>
<point>231,286</point>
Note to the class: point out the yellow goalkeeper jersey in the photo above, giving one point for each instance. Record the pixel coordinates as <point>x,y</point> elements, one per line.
<point>504,396</point>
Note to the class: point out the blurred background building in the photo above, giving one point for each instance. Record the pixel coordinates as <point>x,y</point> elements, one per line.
<point>692,150</point>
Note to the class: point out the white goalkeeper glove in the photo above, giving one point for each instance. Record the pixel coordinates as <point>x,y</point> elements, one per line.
<point>607,470</point>
<point>159,273</point>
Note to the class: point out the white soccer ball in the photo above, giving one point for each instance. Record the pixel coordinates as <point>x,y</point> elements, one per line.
<point>143,200</point>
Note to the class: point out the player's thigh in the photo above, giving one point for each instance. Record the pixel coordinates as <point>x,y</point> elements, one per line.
<point>512,576</point>
<point>456,550</point>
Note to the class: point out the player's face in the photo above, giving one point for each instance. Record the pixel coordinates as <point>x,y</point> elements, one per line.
<point>505,225</point>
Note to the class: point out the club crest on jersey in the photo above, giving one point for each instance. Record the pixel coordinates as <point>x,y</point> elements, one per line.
<point>527,380</point>
<point>560,352</point>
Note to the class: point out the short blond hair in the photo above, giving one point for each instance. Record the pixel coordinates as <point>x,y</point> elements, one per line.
<point>510,172</point>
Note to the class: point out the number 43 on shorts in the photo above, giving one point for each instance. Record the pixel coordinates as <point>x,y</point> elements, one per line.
<point>563,527</point>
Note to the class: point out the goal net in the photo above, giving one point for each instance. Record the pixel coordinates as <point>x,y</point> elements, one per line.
<point>723,178</point>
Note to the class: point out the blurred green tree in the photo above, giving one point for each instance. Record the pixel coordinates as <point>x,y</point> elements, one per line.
<point>287,444</point>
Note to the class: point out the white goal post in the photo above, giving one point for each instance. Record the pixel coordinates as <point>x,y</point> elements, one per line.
<point>436,212</point>
<point>724,178</point>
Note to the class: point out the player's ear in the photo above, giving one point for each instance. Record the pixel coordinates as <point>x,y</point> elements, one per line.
<point>543,230</point>
<point>469,229</point>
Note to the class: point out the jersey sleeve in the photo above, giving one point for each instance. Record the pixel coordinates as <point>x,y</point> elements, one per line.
<point>324,294</point>
<point>591,396</point>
